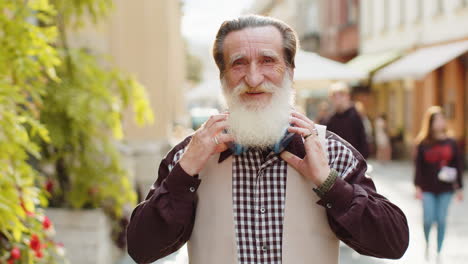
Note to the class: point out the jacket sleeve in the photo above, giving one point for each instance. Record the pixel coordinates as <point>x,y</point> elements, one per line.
<point>458,163</point>
<point>418,163</point>
<point>363,219</point>
<point>363,145</point>
<point>163,222</point>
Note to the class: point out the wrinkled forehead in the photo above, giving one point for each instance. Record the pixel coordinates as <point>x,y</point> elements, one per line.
<point>253,40</point>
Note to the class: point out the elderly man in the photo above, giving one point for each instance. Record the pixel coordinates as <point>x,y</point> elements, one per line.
<point>261,183</point>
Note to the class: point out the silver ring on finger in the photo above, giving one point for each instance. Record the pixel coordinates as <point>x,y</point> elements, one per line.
<point>315,131</point>
<point>215,140</point>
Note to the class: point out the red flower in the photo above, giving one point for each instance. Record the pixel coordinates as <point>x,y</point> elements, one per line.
<point>46,224</point>
<point>15,253</point>
<point>39,254</point>
<point>11,261</point>
<point>49,185</point>
<point>35,244</point>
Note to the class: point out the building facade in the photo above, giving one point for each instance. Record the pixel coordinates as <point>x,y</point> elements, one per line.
<point>302,15</point>
<point>339,31</point>
<point>431,34</point>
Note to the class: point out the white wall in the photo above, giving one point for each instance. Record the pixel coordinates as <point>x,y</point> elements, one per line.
<point>450,23</point>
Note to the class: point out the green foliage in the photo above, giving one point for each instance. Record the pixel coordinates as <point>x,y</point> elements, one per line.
<point>71,12</point>
<point>83,114</point>
<point>27,61</point>
<point>60,116</point>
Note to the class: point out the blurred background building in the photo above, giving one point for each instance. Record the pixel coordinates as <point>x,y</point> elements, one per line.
<point>410,50</point>
<point>431,38</point>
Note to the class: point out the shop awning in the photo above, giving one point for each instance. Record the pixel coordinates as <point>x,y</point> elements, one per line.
<point>419,63</point>
<point>313,67</point>
<point>370,62</point>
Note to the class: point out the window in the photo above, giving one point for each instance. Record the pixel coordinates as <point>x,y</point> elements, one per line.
<point>370,17</point>
<point>352,12</point>
<point>419,11</point>
<point>386,15</point>
<point>402,12</point>
<point>439,7</point>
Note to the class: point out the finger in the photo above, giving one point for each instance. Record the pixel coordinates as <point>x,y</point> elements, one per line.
<point>300,122</point>
<point>303,117</point>
<point>314,149</point>
<point>215,118</point>
<point>292,160</point>
<point>221,148</point>
<point>301,131</point>
<point>217,127</point>
<point>225,138</point>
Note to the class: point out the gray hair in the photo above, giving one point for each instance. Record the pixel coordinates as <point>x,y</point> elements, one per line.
<point>339,87</point>
<point>290,40</point>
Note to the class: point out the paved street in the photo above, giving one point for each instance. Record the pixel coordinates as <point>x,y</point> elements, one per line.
<point>394,181</point>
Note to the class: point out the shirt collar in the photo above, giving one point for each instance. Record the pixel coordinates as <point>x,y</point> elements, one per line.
<point>290,142</point>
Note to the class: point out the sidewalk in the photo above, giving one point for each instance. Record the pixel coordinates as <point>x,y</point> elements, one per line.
<point>394,180</point>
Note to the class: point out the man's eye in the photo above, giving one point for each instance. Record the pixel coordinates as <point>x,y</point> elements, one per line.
<point>268,60</point>
<point>238,62</point>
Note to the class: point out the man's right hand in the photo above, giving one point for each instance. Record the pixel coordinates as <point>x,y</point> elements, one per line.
<point>205,142</point>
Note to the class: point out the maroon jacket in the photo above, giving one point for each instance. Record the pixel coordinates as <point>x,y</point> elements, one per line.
<point>357,214</point>
<point>349,126</point>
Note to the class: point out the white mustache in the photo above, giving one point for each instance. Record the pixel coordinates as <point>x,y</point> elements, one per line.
<point>265,87</point>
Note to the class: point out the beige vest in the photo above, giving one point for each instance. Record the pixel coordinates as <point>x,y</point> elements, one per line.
<point>307,237</point>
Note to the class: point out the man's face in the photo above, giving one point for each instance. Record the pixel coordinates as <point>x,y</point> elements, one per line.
<point>339,99</point>
<point>254,57</point>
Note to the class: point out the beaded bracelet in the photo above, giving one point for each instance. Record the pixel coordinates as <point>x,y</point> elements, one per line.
<point>327,184</point>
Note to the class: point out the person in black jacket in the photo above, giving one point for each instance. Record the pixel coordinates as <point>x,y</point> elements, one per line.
<point>346,122</point>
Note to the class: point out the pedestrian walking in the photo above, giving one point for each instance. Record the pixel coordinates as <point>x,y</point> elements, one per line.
<point>382,139</point>
<point>262,183</point>
<point>438,173</point>
<point>346,121</point>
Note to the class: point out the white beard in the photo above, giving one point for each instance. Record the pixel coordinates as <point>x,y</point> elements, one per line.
<point>256,125</point>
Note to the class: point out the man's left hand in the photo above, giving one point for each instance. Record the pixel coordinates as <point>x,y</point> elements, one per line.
<point>314,166</point>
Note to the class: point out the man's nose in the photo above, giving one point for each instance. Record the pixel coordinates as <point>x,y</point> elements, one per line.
<point>254,77</point>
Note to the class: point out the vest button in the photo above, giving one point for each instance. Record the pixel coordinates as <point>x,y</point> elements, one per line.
<point>262,210</point>
<point>328,205</point>
<point>192,189</point>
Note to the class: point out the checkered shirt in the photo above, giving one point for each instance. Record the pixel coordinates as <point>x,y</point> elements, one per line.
<point>258,193</point>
